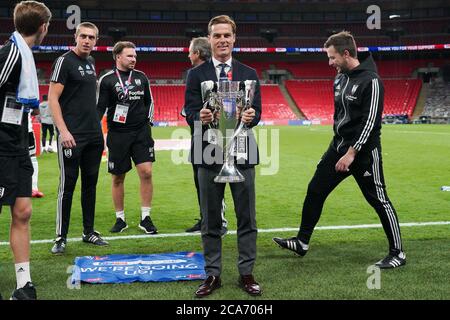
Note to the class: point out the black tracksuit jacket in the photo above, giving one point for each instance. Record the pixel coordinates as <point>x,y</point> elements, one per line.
<point>358,103</point>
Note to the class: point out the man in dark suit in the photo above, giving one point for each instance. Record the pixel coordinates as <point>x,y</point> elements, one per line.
<point>209,157</point>
<point>200,52</point>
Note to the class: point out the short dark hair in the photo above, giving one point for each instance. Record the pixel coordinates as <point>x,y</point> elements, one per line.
<point>29,16</point>
<point>119,46</point>
<point>342,41</point>
<point>222,19</point>
<point>202,46</point>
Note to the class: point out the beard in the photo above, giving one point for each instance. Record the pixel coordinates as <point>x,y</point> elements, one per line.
<point>343,68</point>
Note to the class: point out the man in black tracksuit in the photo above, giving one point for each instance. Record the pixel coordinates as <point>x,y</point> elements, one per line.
<point>19,92</point>
<point>355,149</point>
<point>72,100</point>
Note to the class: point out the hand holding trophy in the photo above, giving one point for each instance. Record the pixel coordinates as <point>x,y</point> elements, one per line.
<point>232,100</point>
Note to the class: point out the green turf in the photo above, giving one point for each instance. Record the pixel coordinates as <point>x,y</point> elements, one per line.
<point>416,164</point>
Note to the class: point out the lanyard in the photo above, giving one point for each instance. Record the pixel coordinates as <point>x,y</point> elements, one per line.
<point>128,82</point>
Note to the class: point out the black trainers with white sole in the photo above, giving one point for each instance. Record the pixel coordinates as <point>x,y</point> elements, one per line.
<point>94,238</point>
<point>292,244</point>
<point>148,226</point>
<point>392,261</point>
<point>28,292</point>
<point>59,247</point>
<point>119,226</point>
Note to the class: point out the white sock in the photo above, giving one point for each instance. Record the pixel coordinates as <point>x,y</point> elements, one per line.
<point>145,212</point>
<point>35,173</point>
<point>22,274</point>
<point>120,214</point>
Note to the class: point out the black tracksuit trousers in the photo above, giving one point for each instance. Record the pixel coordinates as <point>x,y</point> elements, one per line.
<point>84,158</point>
<point>367,170</point>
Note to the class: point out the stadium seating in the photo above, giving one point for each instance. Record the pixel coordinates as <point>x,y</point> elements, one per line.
<point>312,87</point>
<point>249,29</point>
<point>401,96</point>
<point>309,69</point>
<point>437,103</point>
<point>169,100</point>
<point>293,34</point>
<point>314,98</point>
<point>299,70</point>
<point>274,104</point>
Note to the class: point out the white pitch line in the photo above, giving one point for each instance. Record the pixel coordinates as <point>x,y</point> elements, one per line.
<point>419,132</point>
<point>185,234</point>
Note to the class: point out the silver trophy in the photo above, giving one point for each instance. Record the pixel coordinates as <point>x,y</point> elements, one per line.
<point>230,98</point>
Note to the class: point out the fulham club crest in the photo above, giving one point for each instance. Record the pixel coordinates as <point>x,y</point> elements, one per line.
<point>68,153</point>
<point>80,68</point>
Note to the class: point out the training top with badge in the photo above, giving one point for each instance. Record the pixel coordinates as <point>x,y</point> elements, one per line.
<point>78,99</point>
<point>128,100</point>
<point>13,117</point>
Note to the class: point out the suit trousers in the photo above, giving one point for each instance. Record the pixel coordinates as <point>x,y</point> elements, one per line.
<point>211,195</point>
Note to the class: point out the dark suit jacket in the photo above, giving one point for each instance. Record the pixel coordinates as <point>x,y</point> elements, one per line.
<point>194,103</point>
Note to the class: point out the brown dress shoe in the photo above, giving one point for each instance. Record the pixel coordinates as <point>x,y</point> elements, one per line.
<point>210,284</point>
<point>249,285</point>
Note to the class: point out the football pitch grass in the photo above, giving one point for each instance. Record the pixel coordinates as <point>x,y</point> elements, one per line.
<point>416,163</point>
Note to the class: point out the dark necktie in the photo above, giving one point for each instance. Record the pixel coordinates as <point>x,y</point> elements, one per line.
<point>223,75</point>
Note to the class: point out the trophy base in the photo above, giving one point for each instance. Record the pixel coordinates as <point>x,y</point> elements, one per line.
<point>229,174</point>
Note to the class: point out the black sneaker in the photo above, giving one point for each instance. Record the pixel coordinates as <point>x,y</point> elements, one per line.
<point>119,226</point>
<point>60,245</point>
<point>26,293</point>
<point>292,244</point>
<point>392,261</point>
<point>148,226</point>
<point>94,238</point>
<point>196,227</point>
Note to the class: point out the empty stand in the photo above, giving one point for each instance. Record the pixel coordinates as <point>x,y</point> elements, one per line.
<point>169,100</point>
<point>314,98</point>
<point>401,96</point>
<point>274,105</point>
